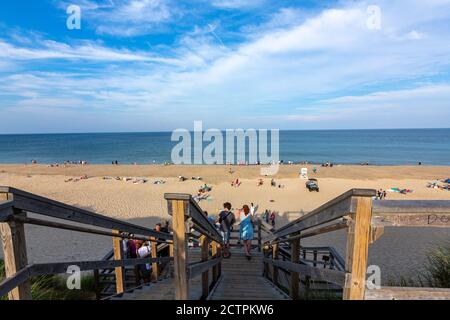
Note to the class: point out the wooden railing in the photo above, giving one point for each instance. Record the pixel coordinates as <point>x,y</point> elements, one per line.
<point>14,208</point>
<point>364,219</point>
<point>190,221</point>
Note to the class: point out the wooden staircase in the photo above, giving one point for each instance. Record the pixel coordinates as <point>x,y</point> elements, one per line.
<point>243,280</point>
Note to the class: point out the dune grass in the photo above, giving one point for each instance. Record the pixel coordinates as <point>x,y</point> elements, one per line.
<point>55,288</point>
<point>435,273</point>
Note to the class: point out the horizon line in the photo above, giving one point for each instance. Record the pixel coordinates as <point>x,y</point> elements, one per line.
<point>167,131</point>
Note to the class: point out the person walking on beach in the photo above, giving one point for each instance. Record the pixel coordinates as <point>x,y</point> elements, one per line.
<point>246,228</point>
<point>252,209</point>
<point>226,220</point>
<point>267,215</point>
<point>272,219</point>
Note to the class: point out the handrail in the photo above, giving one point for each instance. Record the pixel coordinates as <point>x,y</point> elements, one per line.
<point>194,212</point>
<point>33,203</point>
<point>365,219</point>
<point>337,208</point>
<point>13,217</point>
<point>42,269</point>
<point>186,215</point>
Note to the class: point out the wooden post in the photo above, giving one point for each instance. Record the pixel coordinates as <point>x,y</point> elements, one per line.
<point>266,265</point>
<point>259,236</point>
<point>155,266</point>
<point>215,270</point>
<point>204,241</point>
<point>171,262</point>
<point>15,252</point>
<point>119,271</point>
<point>97,284</point>
<point>295,279</point>
<point>358,238</point>
<point>275,254</point>
<point>315,258</point>
<point>180,250</point>
<point>219,266</point>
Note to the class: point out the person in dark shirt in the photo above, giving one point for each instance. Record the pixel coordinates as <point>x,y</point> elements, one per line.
<point>226,221</point>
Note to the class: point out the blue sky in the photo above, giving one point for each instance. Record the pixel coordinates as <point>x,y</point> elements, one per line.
<point>156,65</point>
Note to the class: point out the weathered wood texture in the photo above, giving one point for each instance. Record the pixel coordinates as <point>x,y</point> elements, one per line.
<point>332,210</point>
<point>118,255</point>
<point>316,274</point>
<point>180,249</point>
<point>33,203</point>
<point>205,274</point>
<point>242,280</point>
<point>358,239</point>
<point>15,257</point>
<point>295,277</point>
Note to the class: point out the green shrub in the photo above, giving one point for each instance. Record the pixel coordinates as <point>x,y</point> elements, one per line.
<point>437,267</point>
<point>54,287</point>
<point>435,273</point>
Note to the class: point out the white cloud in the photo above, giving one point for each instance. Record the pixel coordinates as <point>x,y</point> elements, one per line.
<point>236,4</point>
<point>278,75</point>
<point>128,18</point>
<point>88,50</point>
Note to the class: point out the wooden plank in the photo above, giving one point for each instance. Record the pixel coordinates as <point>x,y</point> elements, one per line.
<point>155,265</point>
<point>202,221</point>
<point>180,249</point>
<point>15,252</point>
<point>317,274</point>
<point>259,235</point>
<point>171,254</point>
<point>119,271</point>
<point>61,268</point>
<point>194,211</point>
<point>357,250</point>
<point>295,279</point>
<point>375,233</point>
<point>9,284</point>
<point>40,205</point>
<point>63,226</point>
<point>219,255</point>
<point>404,293</point>
<point>386,207</point>
<point>433,220</point>
<point>322,215</point>
<point>340,224</point>
<point>196,269</point>
<point>413,213</point>
<point>15,258</point>
<point>275,255</point>
<point>204,242</point>
<point>266,270</point>
<point>338,201</point>
<point>214,253</point>
<point>6,210</point>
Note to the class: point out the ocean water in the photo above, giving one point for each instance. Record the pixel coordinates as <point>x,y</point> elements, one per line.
<point>379,147</point>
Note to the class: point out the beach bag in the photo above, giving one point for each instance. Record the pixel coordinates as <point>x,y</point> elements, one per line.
<point>144,251</point>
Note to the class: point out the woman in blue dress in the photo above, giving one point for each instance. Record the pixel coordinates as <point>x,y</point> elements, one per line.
<point>246,230</point>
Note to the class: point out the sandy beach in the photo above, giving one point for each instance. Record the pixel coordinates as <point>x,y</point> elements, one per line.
<point>400,251</point>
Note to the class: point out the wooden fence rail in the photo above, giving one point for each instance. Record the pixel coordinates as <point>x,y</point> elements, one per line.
<point>364,219</point>
<point>16,204</point>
